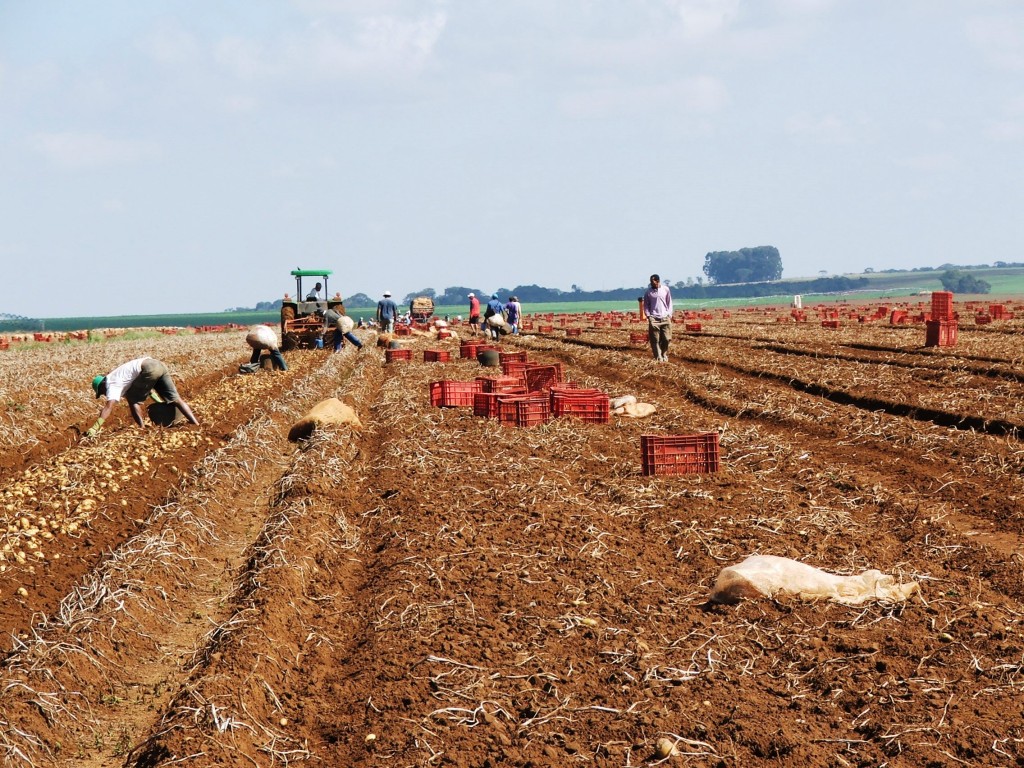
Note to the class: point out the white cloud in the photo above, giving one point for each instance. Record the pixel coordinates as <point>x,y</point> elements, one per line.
<point>699,19</point>
<point>826,129</point>
<point>699,94</point>
<point>243,58</point>
<point>930,163</point>
<point>1000,40</point>
<point>1005,130</point>
<point>76,151</point>
<point>172,45</point>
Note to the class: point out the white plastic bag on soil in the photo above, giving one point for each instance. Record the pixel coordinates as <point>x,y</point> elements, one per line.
<point>261,337</point>
<point>618,402</point>
<point>768,576</point>
<point>635,410</point>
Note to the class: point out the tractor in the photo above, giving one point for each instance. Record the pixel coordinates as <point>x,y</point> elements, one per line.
<point>302,317</point>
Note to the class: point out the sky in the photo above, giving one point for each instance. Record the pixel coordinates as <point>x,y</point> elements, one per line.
<point>185,156</point>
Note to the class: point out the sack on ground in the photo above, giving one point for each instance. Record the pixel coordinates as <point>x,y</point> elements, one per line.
<point>331,412</point>
<point>768,576</point>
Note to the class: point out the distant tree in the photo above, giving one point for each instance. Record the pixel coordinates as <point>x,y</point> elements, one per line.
<point>455,295</point>
<point>576,288</point>
<point>869,270</point>
<point>960,282</point>
<point>429,292</point>
<point>746,265</point>
<point>357,300</point>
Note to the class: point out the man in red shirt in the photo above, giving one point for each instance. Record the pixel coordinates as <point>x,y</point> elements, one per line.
<point>474,312</point>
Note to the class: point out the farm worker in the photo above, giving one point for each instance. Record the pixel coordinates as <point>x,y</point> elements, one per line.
<point>494,307</point>
<point>474,312</point>
<point>343,326</point>
<point>513,312</point>
<point>136,380</point>
<point>262,337</point>
<point>657,305</point>
<point>387,313</point>
<point>314,295</point>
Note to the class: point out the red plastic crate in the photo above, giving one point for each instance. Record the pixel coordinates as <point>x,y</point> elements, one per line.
<point>532,411</point>
<point>403,330</point>
<point>436,356</point>
<point>485,404</point>
<point>390,355</point>
<point>829,323</point>
<point>942,305</point>
<point>679,454</point>
<point>590,405</point>
<point>499,383</point>
<point>638,338</point>
<point>982,319</point>
<point>443,333</point>
<point>940,333</point>
<point>545,328</point>
<point>453,394</point>
<point>575,331</point>
<point>468,351</point>
<point>512,357</point>
<point>541,377</point>
<point>693,326</point>
<point>514,368</point>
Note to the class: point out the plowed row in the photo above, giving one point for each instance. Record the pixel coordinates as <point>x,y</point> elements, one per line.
<point>438,589</point>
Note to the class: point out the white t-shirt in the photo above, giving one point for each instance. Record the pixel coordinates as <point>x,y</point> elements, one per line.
<point>119,379</point>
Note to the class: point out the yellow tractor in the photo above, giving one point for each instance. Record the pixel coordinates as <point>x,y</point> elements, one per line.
<point>302,316</point>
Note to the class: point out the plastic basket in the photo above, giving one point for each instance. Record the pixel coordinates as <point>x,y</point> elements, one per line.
<point>453,394</point>
<point>541,377</point>
<point>590,405</point>
<point>940,333</point>
<point>436,356</point>
<point>390,355</point>
<point>679,454</point>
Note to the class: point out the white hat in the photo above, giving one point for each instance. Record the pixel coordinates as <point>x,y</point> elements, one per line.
<point>387,293</point>
<point>470,296</point>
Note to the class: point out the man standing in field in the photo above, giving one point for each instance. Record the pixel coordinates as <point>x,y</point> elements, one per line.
<point>657,306</point>
<point>387,313</point>
<point>474,312</point>
<point>136,380</point>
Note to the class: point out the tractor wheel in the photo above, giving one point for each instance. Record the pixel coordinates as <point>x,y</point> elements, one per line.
<point>287,315</point>
<point>289,341</point>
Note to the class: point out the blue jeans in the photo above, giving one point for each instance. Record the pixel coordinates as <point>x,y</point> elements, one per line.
<point>338,340</point>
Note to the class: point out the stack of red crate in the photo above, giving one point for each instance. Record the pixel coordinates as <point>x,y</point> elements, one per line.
<point>453,394</point>
<point>679,454</point>
<point>590,405</point>
<point>436,356</point>
<point>514,368</point>
<point>523,410</point>
<point>390,355</point>
<point>541,377</point>
<point>941,330</point>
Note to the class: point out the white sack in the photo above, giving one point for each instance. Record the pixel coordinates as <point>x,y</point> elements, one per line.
<point>261,337</point>
<point>767,576</point>
<point>635,410</point>
<point>345,324</point>
<point>496,321</point>
<point>618,402</point>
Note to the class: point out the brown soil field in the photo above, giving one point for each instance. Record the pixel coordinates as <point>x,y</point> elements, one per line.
<point>441,589</point>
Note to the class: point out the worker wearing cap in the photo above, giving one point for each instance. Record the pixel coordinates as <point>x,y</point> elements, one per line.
<point>387,313</point>
<point>135,381</point>
<point>474,312</point>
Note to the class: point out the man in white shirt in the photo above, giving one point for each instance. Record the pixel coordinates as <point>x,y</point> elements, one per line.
<point>135,381</point>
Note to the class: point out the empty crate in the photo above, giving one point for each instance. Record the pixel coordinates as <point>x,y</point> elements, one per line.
<point>679,454</point>
<point>453,394</point>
